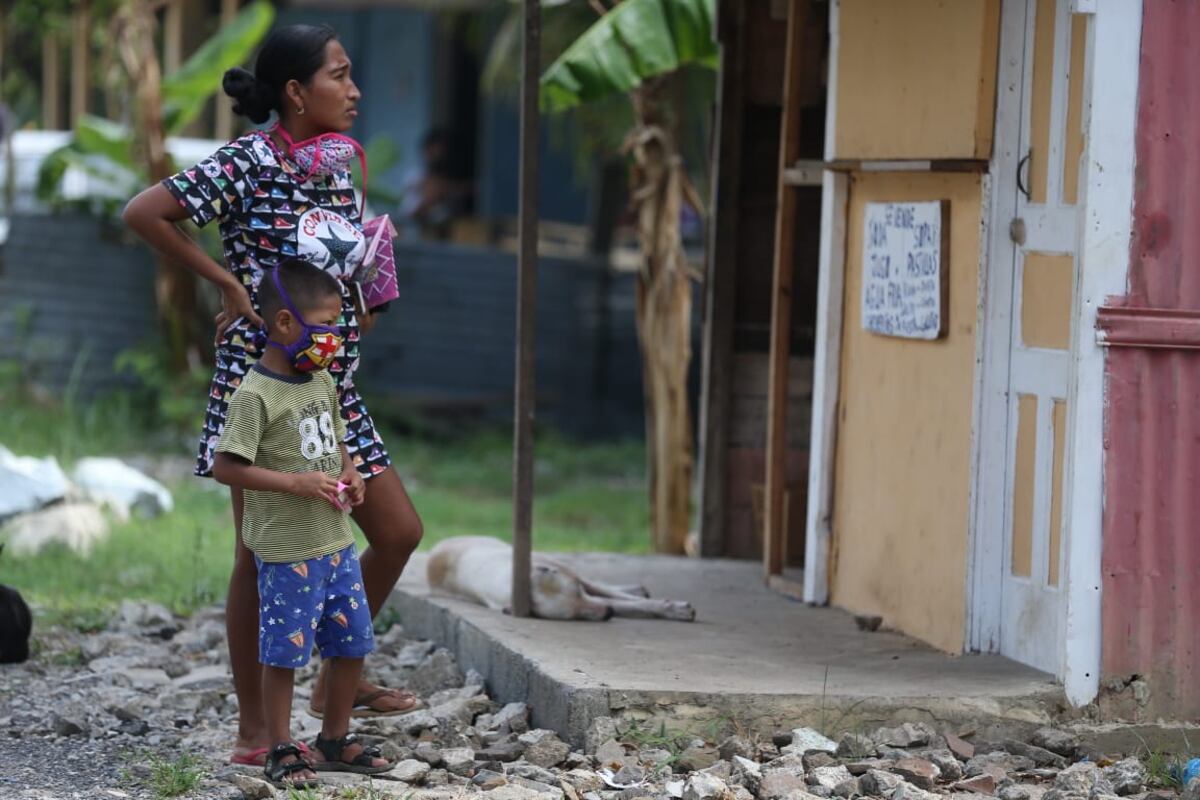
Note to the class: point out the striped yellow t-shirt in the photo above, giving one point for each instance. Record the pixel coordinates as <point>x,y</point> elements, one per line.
<point>288,424</point>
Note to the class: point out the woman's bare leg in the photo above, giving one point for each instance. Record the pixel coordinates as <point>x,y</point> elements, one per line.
<point>393,531</point>
<point>241,631</point>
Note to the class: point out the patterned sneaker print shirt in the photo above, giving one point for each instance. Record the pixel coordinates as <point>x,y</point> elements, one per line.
<point>267,213</point>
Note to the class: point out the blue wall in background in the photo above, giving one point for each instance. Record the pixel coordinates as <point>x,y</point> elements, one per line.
<point>393,53</point>
<point>563,195</point>
<point>446,345</point>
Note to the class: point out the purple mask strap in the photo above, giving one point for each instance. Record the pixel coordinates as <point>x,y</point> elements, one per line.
<point>284,296</point>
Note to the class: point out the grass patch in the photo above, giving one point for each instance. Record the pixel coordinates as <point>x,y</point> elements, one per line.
<point>302,794</point>
<point>174,778</point>
<point>367,792</point>
<point>587,497</point>
<point>181,560</point>
<point>1161,769</point>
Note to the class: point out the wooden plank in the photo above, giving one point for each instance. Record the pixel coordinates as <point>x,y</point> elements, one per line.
<point>80,60</point>
<point>781,298</point>
<point>719,307</point>
<point>804,173</point>
<point>51,89</point>
<point>827,354</point>
<point>172,36</point>
<point>523,405</point>
<point>826,376</point>
<point>986,529</point>
<point>908,165</point>
<point>890,55</point>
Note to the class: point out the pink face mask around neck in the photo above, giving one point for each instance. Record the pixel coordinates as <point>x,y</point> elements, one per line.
<point>324,154</point>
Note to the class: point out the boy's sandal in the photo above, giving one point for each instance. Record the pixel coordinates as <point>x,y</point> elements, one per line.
<point>279,774</point>
<point>332,750</point>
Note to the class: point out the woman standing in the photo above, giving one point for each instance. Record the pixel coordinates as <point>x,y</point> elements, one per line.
<point>285,192</point>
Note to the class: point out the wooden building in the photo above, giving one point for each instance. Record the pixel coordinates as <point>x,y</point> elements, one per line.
<point>928,443</point>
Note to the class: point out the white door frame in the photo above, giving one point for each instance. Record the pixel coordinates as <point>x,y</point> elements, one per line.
<point>831,265</point>
<point>1105,202</point>
<point>1110,115</point>
<point>994,334</point>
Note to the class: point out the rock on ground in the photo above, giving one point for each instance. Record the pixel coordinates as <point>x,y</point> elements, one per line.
<point>115,711</point>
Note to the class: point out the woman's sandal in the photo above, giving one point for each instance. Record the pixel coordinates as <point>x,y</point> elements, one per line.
<point>332,750</point>
<point>278,773</point>
<point>364,704</point>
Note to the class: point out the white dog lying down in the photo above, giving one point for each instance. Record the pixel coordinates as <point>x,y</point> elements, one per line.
<point>479,568</point>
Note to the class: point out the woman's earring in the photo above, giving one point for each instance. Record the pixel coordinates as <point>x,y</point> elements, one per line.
<point>300,110</point>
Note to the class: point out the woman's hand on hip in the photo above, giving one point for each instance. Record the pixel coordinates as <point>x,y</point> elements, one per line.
<point>235,304</point>
<point>366,321</point>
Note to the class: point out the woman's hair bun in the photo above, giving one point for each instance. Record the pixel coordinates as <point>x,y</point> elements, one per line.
<point>253,98</point>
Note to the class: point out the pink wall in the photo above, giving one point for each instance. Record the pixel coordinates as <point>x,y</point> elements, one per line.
<point>1151,553</point>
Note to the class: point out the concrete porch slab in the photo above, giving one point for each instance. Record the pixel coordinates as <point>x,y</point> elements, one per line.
<point>753,659</point>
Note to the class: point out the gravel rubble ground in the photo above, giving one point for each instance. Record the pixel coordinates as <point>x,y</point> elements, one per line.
<point>145,710</point>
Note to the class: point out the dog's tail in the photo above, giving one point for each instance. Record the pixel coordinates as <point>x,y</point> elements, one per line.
<point>436,568</point>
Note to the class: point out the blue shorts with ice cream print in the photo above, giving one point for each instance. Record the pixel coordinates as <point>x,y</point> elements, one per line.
<point>319,601</point>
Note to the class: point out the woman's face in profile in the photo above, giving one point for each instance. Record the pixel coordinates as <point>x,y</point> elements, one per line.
<point>331,98</point>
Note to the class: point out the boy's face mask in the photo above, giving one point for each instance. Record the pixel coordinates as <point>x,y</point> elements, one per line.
<point>316,346</point>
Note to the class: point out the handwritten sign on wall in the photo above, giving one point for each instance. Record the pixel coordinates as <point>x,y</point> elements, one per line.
<point>905,287</point>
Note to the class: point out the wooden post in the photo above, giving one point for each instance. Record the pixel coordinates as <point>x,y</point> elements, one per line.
<point>172,36</point>
<point>720,285</point>
<point>774,537</point>
<point>224,115</point>
<point>527,239</point>
<point>51,89</point>
<point>80,62</point>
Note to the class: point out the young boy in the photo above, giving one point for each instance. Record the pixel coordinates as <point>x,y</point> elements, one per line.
<point>282,444</point>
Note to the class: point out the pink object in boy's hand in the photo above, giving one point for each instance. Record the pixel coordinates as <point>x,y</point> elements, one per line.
<point>341,501</point>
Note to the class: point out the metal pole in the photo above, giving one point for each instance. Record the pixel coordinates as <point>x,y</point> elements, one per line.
<point>527,236</point>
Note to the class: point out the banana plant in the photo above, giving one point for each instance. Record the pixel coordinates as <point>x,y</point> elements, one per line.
<point>641,50</point>
<point>634,42</point>
<point>126,158</point>
<point>108,151</point>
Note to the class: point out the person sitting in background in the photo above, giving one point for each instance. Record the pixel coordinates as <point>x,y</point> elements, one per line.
<point>433,197</point>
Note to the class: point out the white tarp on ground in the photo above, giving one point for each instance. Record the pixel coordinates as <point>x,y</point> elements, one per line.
<point>111,482</point>
<point>28,483</point>
<point>39,505</point>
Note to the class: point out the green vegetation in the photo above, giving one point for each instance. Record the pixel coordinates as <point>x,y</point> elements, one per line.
<point>175,778</point>
<point>588,497</point>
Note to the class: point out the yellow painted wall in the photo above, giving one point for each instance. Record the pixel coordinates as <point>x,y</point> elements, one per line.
<point>902,474</point>
<point>916,79</point>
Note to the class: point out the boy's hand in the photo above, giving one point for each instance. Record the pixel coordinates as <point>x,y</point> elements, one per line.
<point>314,484</point>
<point>356,486</point>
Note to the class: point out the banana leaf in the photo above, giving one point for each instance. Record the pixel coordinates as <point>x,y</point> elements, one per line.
<point>185,91</point>
<point>100,148</point>
<point>637,40</point>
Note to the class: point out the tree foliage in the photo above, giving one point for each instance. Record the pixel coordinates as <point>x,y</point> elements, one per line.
<point>636,41</point>
<point>106,150</point>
